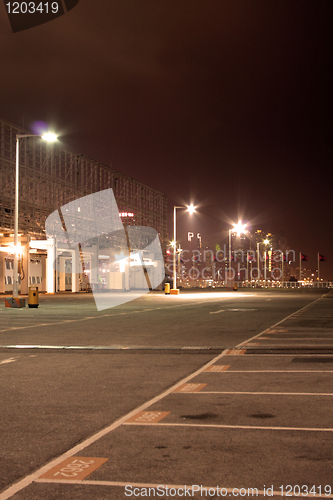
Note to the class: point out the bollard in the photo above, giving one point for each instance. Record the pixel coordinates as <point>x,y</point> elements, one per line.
<point>33,296</point>
<point>167,288</point>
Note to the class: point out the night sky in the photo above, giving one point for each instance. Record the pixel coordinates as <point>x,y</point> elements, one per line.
<point>222,103</point>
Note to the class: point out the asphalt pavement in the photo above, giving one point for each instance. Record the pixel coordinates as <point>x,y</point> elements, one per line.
<point>197,395</point>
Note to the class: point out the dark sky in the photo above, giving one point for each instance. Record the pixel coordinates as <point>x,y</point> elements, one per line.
<point>223,103</point>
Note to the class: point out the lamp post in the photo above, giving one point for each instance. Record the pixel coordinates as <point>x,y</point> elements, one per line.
<point>265,242</point>
<point>47,137</point>
<point>238,229</point>
<point>189,209</point>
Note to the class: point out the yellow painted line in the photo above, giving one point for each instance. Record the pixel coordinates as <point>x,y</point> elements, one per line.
<point>190,388</point>
<point>148,417</point>
<point>74,468</point>
<point>181,487</point>
<point>217,368</point>
<point>235,352</point>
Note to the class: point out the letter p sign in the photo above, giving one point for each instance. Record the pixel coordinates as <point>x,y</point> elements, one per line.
<point>190,236</point>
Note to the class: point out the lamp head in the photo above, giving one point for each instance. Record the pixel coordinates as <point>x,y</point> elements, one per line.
<point>239,228</point>
<point>49,136</point>
<point>191,208</point>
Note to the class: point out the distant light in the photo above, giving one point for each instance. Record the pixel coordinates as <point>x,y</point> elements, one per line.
<point>49,136</point>
<point>126,214</point>
<point>266,242</point>
<point>239,228</point>
<point>191,208</point>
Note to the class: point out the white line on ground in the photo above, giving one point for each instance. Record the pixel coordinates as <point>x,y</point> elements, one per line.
<point>9,360</point>
<point>230,491</point>
<point>223,426</point>
<point>263,393</point>
<point>26,481</point>
<point>276,324</point>
<point>273,371</point>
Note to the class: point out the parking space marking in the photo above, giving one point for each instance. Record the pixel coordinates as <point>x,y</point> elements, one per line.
<point>217,368</point>
<point>74,468</point>
<point>190,388</point>
<point>277,371</point>
<point>275,326</point>
<point>246,427</point>
<point>270,393</point>
<point>135,417</point>
<point>147,417</point>
<point>30,478</point>
<point>181,487</point>
<point>235,352</point>
<point>94,317</point>
<point>9,360</point>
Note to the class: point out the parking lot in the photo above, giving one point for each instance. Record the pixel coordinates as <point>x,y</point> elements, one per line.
<point>202,396</point>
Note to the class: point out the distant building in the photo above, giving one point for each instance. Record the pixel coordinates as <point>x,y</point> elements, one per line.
<point>50,177</point>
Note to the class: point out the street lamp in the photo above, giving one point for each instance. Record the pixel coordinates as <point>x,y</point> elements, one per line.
<point>190,209</point>
<point>50,137</point>
<point>238,229</point>
<point>265,242</point>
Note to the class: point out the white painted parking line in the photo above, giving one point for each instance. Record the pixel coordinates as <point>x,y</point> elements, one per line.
<point>295,355</point>
<point>9,360</point>
<point>276,371</point>
<point>91,317</point>
<point>247,427</point>
<point>26,481</point>
<point>181,488</point>
<point>267,393</point>
<point>272,327</point>
<point>216,312</point>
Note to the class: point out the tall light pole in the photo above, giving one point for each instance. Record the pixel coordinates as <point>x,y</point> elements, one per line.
<point>239,229</point>
<point>47,137</point>
<point>190,209</point>
<point>266,242</point>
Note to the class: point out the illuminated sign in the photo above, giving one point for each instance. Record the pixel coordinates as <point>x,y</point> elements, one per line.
<point>190,235</point>
<point>126,214</point>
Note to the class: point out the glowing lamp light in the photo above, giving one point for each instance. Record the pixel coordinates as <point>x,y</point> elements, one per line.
<point>239,228</point>
<point>49,137</point>
<point>191,208</point>
<point>126,214</point>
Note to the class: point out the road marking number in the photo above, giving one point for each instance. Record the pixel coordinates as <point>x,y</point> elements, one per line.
<point>217,368</point>
<point>190,388</point>
<point>74,468</point>
<point>151,417</point>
